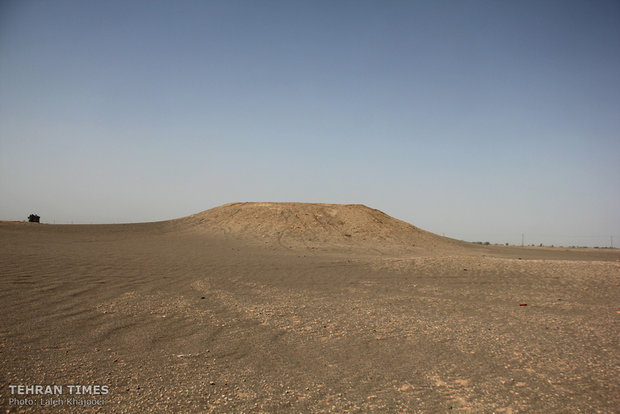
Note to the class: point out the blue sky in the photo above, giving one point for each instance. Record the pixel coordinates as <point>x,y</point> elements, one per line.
<point>478,119</point>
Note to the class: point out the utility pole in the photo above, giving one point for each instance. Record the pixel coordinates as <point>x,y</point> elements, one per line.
<point>522,239</point>
<point>611,241</point>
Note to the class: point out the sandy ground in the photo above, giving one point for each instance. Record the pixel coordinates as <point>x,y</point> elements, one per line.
<point>304,308</point>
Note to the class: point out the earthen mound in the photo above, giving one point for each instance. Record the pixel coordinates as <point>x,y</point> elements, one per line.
<point>313,225</point>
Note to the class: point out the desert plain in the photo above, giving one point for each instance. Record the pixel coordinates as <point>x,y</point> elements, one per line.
<point>290,307</point>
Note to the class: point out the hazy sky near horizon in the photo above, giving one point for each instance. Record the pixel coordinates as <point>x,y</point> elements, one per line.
<point>478,119</point>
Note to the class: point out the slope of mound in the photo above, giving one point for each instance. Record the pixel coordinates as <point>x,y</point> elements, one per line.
<point>313,225</point>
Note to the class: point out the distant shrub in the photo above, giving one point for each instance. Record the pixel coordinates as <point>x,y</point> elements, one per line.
<point>33,218</point>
